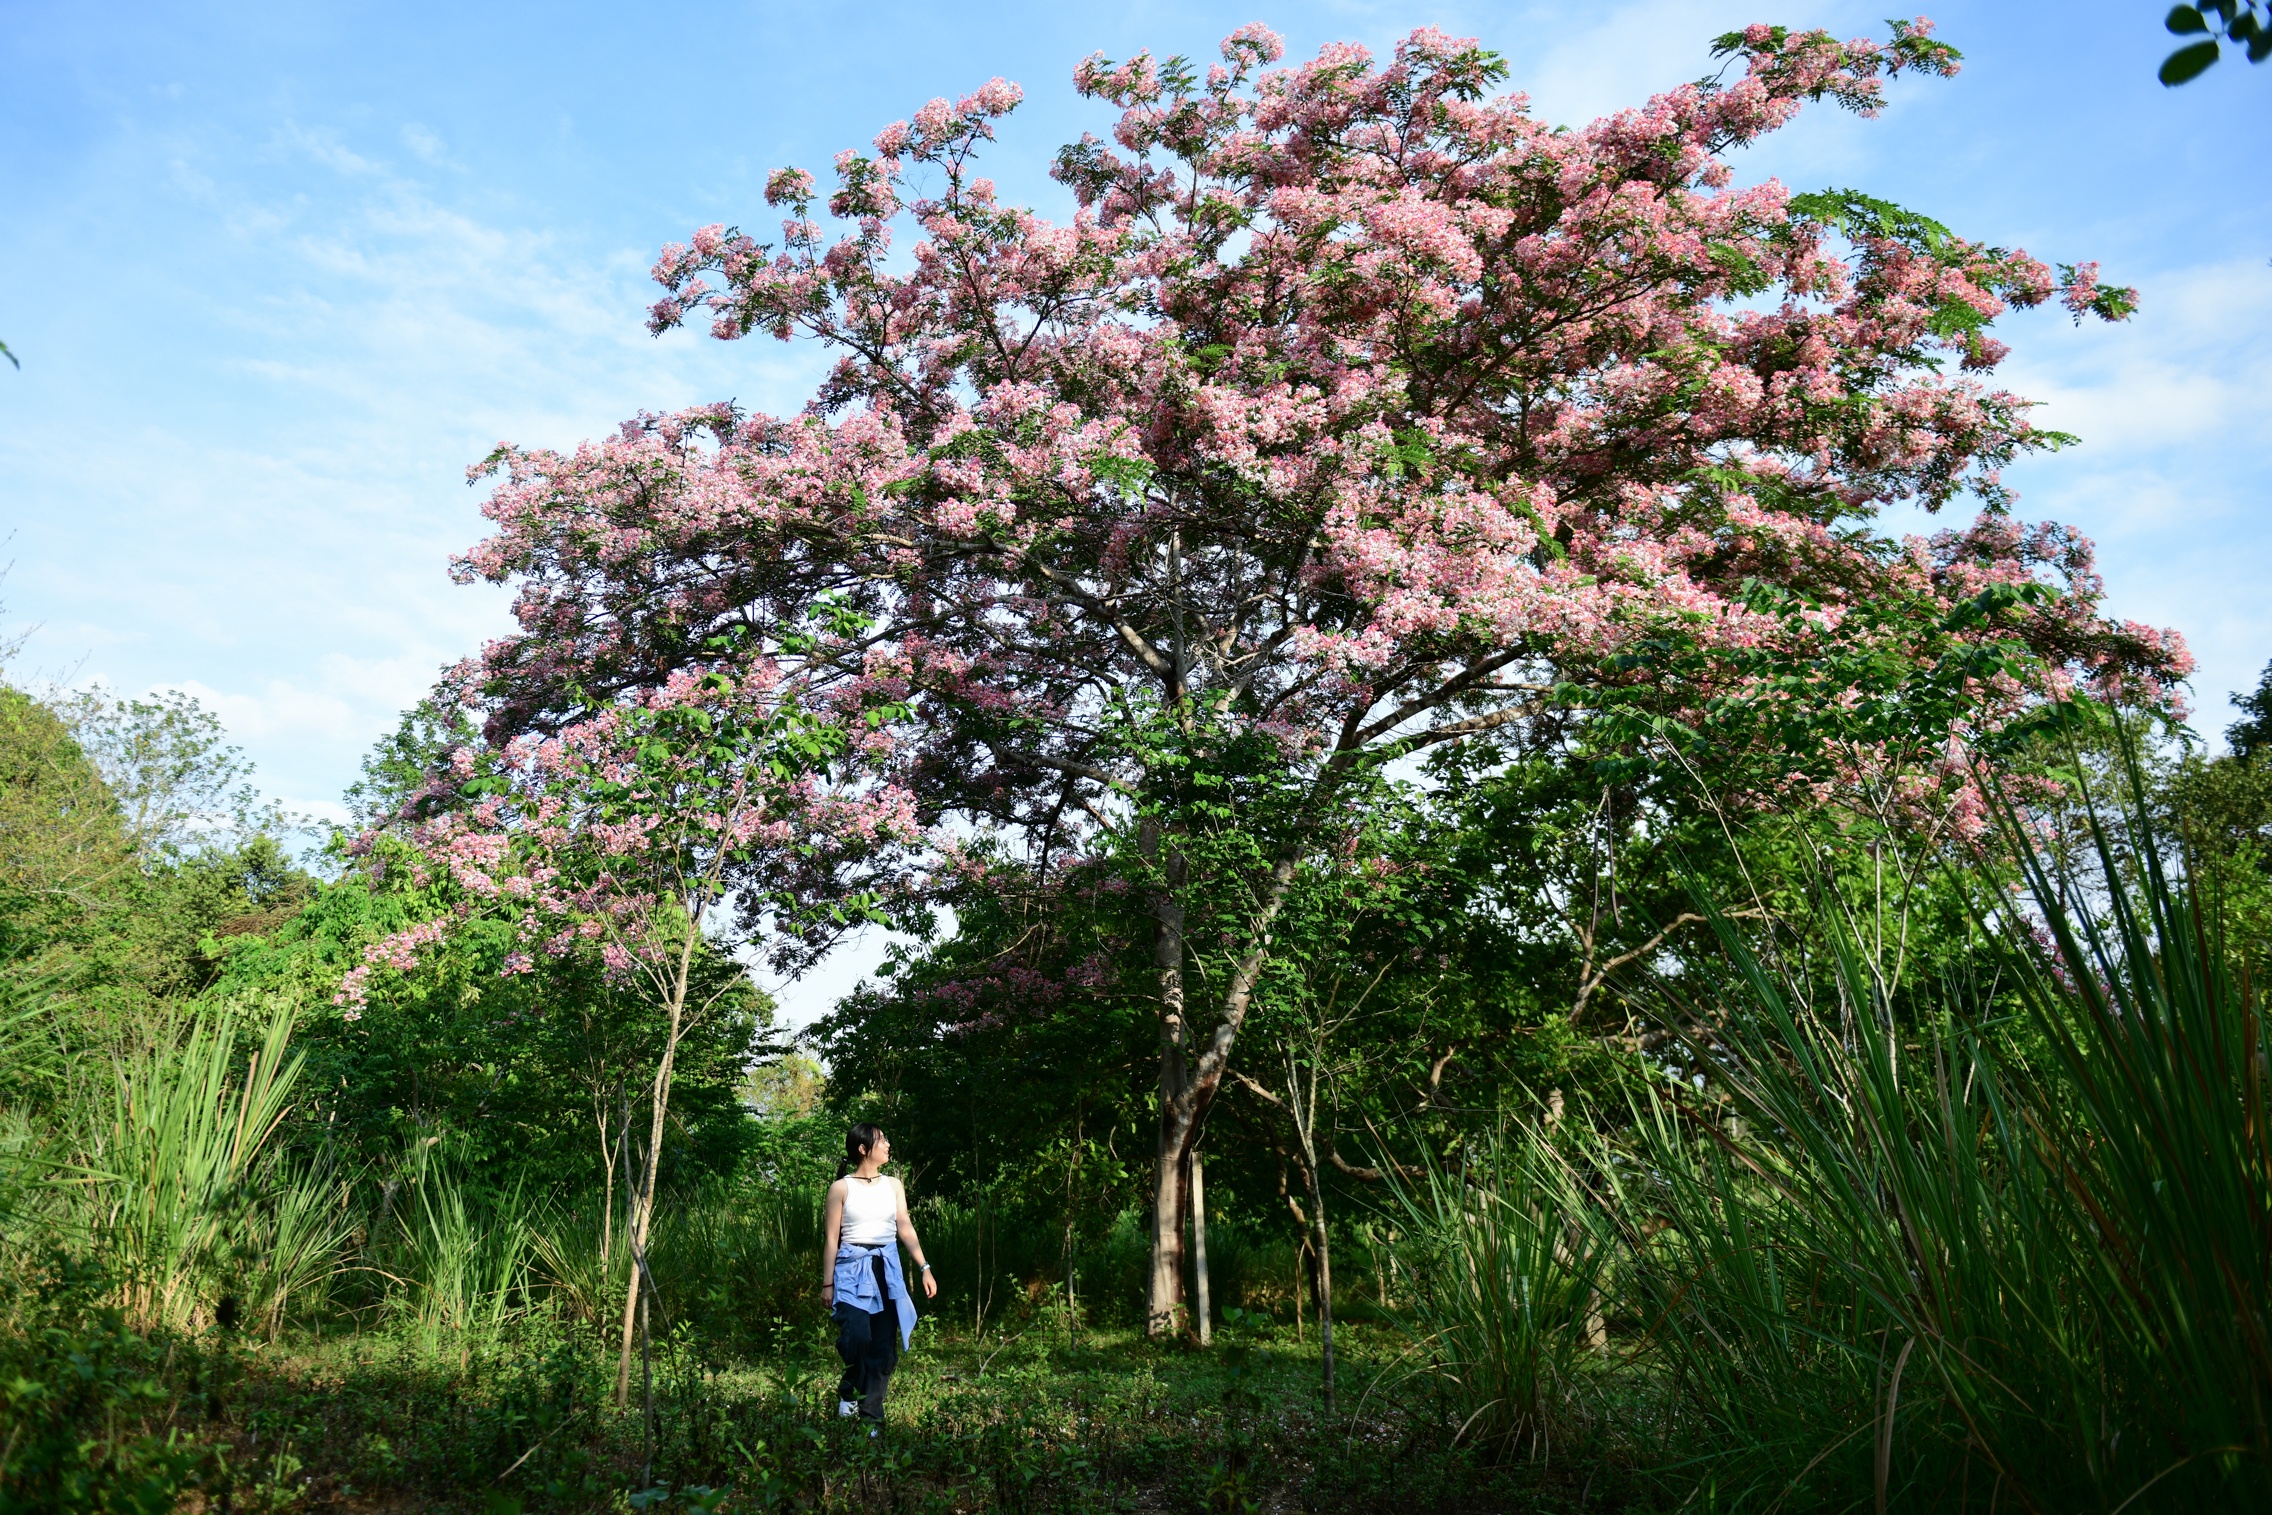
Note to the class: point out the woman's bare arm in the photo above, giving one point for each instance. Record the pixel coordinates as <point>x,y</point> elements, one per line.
<point>912,1242</point>
<point>832,1223</point>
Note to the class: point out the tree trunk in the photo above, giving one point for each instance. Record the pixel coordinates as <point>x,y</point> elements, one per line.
<point>1322,1247</point>
<point>1166,1293</point>
<point>608,1152</point>
<point>646,1378</point>
<point>607,1207</point>
<point>1186,1085</point>
<point>1301,1107</point>
<point>1202,1304</point>
<point>1178,1115</point>
<point>639,1222</point>
<point>1300,1270</point>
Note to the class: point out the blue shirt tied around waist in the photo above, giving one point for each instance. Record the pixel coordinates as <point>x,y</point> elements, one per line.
<point>856,1283</point>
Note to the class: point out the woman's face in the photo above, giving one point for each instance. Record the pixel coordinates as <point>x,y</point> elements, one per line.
<point>881,1151</point>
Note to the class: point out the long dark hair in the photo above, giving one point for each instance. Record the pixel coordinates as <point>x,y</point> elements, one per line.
<point>858,1142</point>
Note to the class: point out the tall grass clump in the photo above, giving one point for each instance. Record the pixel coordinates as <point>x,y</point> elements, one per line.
<point>586,1280</point>
<point>296,1242</point>
<point>1503,1260</point>
<point>2019,1263</point>
<point>2165,1165</point>
<point>176,1165</point>
<point>157,1169</point>
<point>736,1264</point>
<point>461,1264</point>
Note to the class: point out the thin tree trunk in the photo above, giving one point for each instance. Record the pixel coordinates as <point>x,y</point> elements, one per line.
<point>1300,1310</point>
<point>1301,1105</point>
<point>647,1377</point>
<point>1322,1247</point>
<point>980,1296</point>
<point>1072,1203</point>
<point>639,1224</point>
<point>607,1179</point>
<point>1199,1251</point>
<point>630,1181</point>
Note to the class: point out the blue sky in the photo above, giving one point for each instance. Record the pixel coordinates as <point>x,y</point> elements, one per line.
<point>278,273</point>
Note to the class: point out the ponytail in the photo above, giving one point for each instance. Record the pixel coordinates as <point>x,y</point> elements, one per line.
<point>858,1142</point>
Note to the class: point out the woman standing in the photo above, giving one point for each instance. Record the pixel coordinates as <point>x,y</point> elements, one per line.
<point>860,1276</point>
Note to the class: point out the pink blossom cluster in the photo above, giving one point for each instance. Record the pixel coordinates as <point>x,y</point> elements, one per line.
<point>398,951</point>
<point>615,828</point>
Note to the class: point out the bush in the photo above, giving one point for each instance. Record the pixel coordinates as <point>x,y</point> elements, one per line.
<point>1504,1264</point>
<point>86,1404</point>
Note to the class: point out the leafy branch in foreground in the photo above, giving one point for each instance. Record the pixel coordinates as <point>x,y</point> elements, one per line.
<point>2246,24</point>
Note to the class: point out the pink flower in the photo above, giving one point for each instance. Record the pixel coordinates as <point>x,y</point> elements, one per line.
<point>788,186</point>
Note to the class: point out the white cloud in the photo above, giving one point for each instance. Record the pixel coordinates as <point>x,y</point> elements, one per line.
<point>2194,363</point>
<point>2168,478</point>
<point>426,145</point>
<point>350,702</point>
<point>325,148</point>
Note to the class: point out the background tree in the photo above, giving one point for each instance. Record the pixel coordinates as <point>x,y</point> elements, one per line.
<point>397,775</point>
<point>624,832</point>
<point>2253,732</point>
<point>526,1077</point>
<point>2222,807</point>
<point>64,849</point>
<point>131,843</point>
<point>181,787</point>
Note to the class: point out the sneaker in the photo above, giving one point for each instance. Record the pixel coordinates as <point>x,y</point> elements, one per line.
<point>848,1407</point>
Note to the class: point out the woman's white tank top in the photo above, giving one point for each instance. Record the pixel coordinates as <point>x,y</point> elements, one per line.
<point>871,1211</point>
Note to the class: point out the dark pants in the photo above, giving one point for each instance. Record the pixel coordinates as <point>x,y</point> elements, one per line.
<point>868,1341</point>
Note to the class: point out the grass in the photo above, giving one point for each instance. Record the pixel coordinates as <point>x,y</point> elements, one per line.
<point>1505,1265</point>
<point>174,1161</point>
<point>1023,1420</point>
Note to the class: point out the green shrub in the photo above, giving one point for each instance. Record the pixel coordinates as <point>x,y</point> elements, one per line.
<point>87,1412</point>
<point>1503,1264</point>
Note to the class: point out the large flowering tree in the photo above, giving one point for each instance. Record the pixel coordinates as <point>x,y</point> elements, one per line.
<point>1355,412</point>
<point>632,828</point>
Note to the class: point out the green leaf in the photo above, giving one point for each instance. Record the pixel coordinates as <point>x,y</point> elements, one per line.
<point>1743,272</point>
<point>1854,214</point>
<point>2184,20</point>
<point>2188,63</point>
